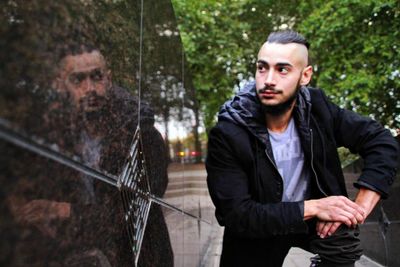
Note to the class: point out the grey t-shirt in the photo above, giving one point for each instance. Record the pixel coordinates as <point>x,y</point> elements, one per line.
<point>289,158</point>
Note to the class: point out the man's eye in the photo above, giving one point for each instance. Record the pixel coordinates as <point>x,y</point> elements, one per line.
<point>283,70</point>
<point>77,78</point>
<point>260,67</point>
<point>97,75</point>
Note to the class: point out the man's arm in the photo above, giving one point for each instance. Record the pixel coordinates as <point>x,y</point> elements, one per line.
<point>369,139</point>
<point>376,146</point>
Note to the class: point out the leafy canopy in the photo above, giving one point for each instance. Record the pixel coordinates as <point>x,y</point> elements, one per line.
<point>354,46</point>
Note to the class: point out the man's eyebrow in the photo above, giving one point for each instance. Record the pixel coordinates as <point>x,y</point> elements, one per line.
<point>284,64</point>
<point>279,64</point>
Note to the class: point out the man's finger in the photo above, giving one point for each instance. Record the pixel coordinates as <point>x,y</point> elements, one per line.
<point>327,228</point>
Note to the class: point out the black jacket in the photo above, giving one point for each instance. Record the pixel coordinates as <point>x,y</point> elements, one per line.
<point>246,187</point>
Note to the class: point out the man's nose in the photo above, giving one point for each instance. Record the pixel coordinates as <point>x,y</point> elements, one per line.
<point>270,79</point>
<point>89,85</point>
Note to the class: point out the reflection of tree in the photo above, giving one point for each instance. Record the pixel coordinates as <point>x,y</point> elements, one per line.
<point>165,95</point>
<point>172,102</point>
<point>168,86</point>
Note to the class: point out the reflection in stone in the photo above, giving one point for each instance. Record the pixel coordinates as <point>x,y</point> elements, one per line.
<point>67,73</point>
<point>68,221</point>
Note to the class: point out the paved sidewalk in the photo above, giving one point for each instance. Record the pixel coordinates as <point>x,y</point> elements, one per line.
<point>298,257</point>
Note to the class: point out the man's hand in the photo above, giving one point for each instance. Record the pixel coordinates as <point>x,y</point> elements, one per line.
<point>41,210</point>
<point>40,213</point>
<point>366,199</point>
<point>335,209</point>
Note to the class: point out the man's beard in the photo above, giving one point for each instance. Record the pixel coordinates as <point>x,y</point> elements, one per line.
<point>92,113</point>
<point>92,102</point>
<point>279,109</point>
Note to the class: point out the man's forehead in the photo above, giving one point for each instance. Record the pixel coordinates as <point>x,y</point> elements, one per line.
<point>296,54</point>
<point>83,62</point>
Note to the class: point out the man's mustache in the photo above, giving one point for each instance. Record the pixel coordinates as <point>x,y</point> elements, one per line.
<point>270,89</point>
<point>92,99</point>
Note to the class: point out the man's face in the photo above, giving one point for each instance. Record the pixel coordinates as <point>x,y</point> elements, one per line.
<point>281,69</point>
<point>85,78</point>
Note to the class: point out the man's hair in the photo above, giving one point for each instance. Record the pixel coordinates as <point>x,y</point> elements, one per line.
<point>287,37</point>
<point>74,49</point>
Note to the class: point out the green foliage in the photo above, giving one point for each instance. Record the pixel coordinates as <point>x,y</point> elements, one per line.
<point>346,157</point>
<point>354,46</point>
<point>216,45</point>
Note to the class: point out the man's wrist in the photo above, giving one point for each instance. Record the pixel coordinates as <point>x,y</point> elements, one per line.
<point>310,207</point>
<point>367,199</point>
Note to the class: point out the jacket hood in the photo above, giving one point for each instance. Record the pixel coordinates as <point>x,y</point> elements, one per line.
<point>245,110</point>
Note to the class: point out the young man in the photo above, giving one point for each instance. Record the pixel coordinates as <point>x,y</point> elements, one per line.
<point>274,173</point>
<point>106,121</point>
<point>54,208</point>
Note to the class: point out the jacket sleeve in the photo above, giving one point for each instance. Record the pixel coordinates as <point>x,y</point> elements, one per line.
<point>372,142</point>
<point>236,208</point>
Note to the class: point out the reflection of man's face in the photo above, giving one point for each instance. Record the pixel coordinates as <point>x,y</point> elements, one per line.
<point>85,78</point>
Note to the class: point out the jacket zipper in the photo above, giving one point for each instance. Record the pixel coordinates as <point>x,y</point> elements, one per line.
<point>312,164</point>
<point>276,168</point>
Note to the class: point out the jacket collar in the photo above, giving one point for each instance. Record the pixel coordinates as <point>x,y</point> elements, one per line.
<point>245,110</point>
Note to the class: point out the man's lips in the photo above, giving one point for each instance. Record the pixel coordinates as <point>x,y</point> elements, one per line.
<point>92,101</point>
<point>268,93</point>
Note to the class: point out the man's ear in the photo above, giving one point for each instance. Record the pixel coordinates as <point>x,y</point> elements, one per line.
<point>306,75</point>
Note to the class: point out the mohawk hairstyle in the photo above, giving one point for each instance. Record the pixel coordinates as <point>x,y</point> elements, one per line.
<point>286,37</point>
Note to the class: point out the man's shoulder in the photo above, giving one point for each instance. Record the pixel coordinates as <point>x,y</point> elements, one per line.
<point>319,99</point>
<point>122,93</point>
<point>229,129</point>
<point>124,98</point>
<point>317,94</point>
<point>227,138</point>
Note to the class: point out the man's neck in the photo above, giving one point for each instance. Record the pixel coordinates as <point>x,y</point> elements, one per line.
<point>278,123</point>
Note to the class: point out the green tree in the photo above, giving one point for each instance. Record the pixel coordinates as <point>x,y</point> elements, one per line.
<point>216,45</point>
<point>354,48</point>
